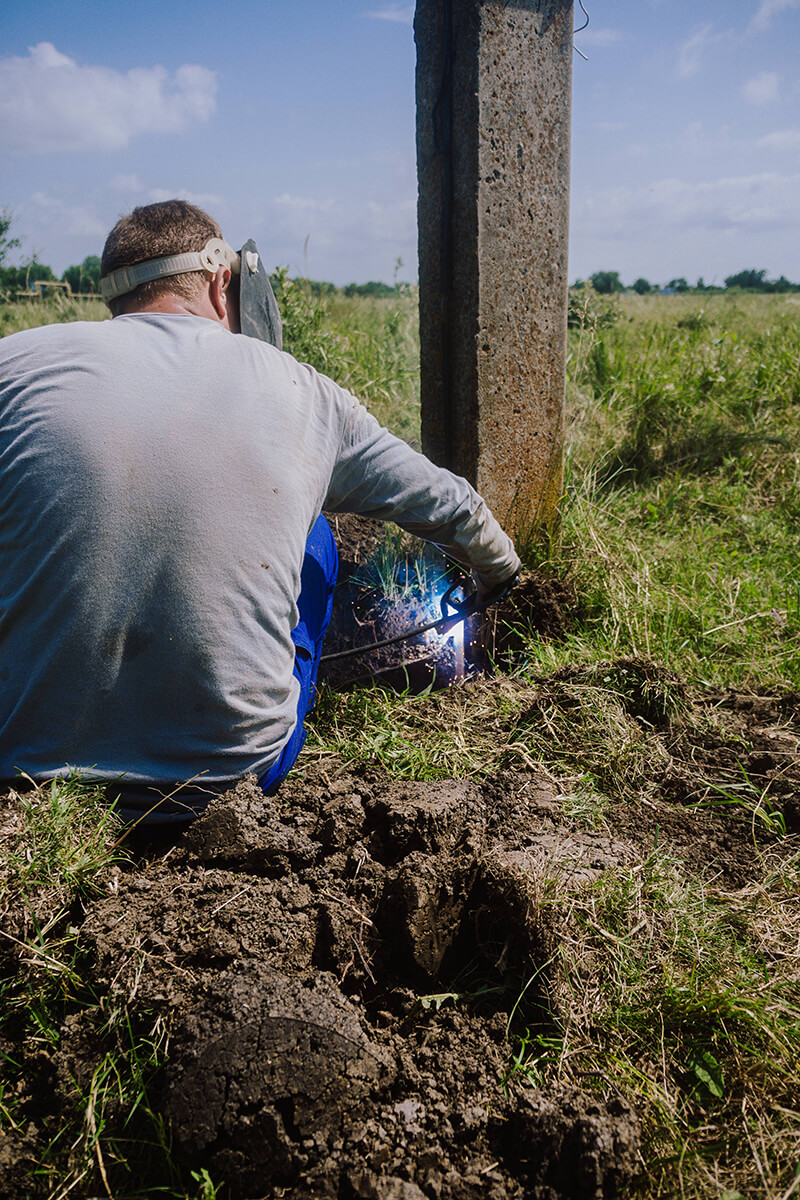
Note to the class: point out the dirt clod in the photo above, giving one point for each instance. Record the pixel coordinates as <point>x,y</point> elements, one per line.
<point>336,968</point>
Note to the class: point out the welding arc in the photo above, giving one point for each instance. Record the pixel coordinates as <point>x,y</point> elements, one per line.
<point>443,624</point>
<point>461,610</point>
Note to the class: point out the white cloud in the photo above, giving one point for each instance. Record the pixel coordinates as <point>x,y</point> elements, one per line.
<point>301,216</point>
<point>72,220</point>
<point>692,50</point>
<point>126,184</point>
<point>767,10</point>
<point>390,223</point>
<point>762,89</point>
<point>701,43</point>
<point>50,103</point>
<point>337,221</point>
<point>404,13</point>
<point>355,239</point>
<point>135,189</point>
<point>736,204</point>
<point>601,37</point>
<point>206,200</point>
<point>781,140</point>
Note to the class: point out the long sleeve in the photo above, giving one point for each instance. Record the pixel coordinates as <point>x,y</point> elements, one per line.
<point>378,475</point>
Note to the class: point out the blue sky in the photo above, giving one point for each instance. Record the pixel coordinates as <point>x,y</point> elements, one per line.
<point>294,124</point>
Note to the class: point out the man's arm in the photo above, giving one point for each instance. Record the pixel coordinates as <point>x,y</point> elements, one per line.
<point>378,475</point>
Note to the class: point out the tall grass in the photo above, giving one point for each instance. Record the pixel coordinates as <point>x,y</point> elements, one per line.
<point>53,310</point>
<point>682,499</point>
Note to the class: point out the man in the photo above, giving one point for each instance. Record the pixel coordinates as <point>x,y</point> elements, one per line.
<point>165,573</point>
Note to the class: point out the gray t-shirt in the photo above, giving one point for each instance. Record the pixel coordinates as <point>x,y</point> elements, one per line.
<point>158,480</point>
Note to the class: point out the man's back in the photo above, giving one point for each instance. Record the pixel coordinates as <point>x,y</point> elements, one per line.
<point>158,480</point>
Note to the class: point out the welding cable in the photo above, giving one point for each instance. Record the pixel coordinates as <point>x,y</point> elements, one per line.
<point>443,624</point>
<point>467,608</point>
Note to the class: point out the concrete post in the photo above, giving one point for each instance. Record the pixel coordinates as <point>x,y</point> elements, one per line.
<point>493,139</point>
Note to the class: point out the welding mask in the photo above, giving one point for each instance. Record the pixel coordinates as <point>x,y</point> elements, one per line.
<point>258,309</point>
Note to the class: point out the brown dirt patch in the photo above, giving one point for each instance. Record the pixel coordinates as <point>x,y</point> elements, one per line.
<point>290,946</point>
<point>302,951</point>
<point>740,743</point>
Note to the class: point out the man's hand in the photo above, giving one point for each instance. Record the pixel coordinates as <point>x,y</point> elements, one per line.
<point>490,591</point>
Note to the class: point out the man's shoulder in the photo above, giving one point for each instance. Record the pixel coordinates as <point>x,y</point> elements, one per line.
<point>41,335</point>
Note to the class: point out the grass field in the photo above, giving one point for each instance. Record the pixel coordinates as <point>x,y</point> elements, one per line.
<point>682,494</point>
<point>678,541</point>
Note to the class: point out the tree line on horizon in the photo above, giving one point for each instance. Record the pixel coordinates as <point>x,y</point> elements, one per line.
<point>606,283</point>
<point>84,278</point>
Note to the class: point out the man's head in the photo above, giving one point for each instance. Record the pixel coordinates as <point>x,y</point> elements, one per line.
<point>161,230</point>
<point>171,257</point>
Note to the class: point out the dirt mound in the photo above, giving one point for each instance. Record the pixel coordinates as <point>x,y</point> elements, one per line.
<point>539,603</point>
<point>339,970</point>
<point>391,583</point>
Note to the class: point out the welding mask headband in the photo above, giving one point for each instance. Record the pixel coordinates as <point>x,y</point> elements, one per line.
<point>258,310</point>
<point>215,254</point>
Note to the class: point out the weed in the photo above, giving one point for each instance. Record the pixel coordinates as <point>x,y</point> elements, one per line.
<point>588,310</point>
<point>533,1058</point>
<point>206,1188</point>
<point>67,828</point>
<point>746,799</point>
<point>402,567</point>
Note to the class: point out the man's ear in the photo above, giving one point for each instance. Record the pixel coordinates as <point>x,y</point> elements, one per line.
<point>219,295</point>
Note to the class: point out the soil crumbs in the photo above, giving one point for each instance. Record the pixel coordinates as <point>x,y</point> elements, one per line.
<point>340,969</point>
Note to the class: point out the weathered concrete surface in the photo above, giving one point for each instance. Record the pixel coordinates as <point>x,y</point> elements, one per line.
<point>493,141</point>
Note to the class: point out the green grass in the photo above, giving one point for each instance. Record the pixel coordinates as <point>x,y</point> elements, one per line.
<point>54,310</point>
<point>682,500</point>
<point>684,997</point>
<point>60,847</point>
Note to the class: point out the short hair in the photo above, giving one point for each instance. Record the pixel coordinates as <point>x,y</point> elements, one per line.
<point>156,231</point>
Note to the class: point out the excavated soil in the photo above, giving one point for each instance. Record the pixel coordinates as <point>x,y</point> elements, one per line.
<point>300,949</point>
<point>364,615</point>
